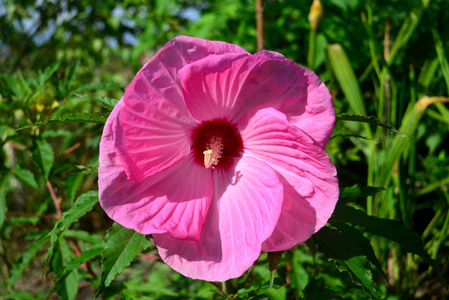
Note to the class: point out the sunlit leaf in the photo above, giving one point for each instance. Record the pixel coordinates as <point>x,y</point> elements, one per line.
<point>82,205</point>
<point>121,246</point>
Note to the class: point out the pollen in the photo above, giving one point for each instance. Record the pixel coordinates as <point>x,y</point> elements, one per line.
<point>213,152</point>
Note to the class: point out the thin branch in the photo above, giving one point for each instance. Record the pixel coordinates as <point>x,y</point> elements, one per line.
<point>55,198</point>
<point>151,257</point>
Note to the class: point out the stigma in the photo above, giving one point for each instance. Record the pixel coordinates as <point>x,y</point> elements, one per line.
<point>213,152</point>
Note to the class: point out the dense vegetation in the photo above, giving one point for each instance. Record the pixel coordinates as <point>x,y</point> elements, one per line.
<point>63,64</point>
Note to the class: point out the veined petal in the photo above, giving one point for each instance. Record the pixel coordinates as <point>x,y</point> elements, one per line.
<point>308,173</point>
<point>228,86</point>
<point>152,132</point>
<point>293,228</point>
<point>244,211</point>
<point>150,136</point>
<point>175,200</point>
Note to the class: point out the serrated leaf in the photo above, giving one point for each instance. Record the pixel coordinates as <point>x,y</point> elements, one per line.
<point>107,102</point>
<point>339,246</point>
<point>82,205</point>
<point>370,120</point>
<point>23,261</point>
<point>389,229</point>
<point>71,118</point>
<point>121,246</point>
<point>26,176</point>
<point>45,156</point>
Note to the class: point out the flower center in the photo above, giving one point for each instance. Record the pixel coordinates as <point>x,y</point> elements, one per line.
<point>213,152</point>
<point>215,143</point>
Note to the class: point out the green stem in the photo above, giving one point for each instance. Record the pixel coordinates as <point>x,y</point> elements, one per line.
<point>312,43</point>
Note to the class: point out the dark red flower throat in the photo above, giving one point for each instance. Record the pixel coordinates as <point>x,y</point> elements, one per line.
<point>215,143</point>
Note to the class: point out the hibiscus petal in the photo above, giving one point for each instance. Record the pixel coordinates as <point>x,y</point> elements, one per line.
<point>175,200</point>
<point>307,172</point>
<point>228,86</point>
<point>150,136</point>
<point>243,213</point>
<point>153,131</point>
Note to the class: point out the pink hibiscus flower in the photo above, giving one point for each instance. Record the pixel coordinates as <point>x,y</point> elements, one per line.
<point>219,155</point>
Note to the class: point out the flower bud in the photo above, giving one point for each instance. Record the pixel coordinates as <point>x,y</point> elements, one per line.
<point>315,14</point>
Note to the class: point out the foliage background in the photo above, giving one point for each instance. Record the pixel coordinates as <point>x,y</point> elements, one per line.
<point>378,58</point>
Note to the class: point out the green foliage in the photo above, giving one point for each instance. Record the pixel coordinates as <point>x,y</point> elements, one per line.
<point>120,248</point>
<point>83,204</point>
<point>64,65</point>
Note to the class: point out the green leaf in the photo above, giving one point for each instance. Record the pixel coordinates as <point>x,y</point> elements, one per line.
<point>347,80</point>
<point>389,229</point>
<point>340,247</point>
<point>345,134</point>
<point>107,102</point>
<point>48,72</point>
<point>407,29</point>
<point>370,120</point>
<point>364,244</point>
<point>3,207</point>
<point>356,191</point>
<point>71,118</point>
<point>68,287</point>
<point>442,58</point>
<point>121,246</point>
<point>399,144</point>
<point>23,261</point>
<point>86,256</point>
<point>84,236</point>
<point>83,204</point>
<point>151,288</point>
<point>26,176</point>
<point>73,73</point>
<point>44,156</point>
<point>17,295</point>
